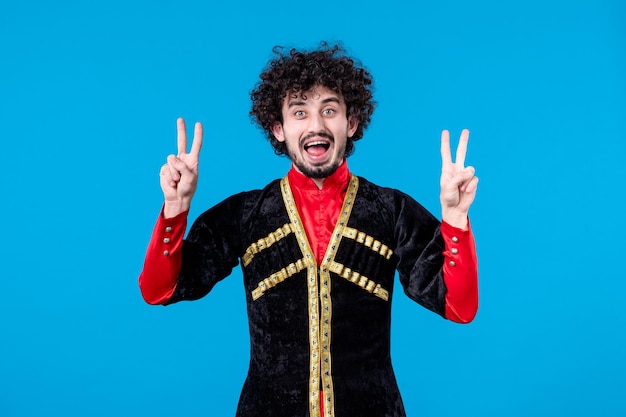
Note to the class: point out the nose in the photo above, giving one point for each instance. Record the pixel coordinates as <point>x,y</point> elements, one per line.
<point>316,123</point>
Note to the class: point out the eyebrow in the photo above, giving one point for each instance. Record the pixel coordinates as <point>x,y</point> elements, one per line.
<point>303,102</point>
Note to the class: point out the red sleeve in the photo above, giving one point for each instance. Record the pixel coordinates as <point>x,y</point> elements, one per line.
<point>163,259</point>
<point>460,273</point>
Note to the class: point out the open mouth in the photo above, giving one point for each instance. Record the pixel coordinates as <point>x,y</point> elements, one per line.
<point>317,147</point>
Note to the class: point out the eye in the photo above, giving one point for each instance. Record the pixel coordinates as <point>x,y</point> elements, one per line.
<point>328,112</point>
<point>299,113</point>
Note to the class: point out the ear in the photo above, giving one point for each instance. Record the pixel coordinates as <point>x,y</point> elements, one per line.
<point>353,124</point>
<point>277,130</point>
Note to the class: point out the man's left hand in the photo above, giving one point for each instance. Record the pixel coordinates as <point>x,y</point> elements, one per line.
<point>458,182</point>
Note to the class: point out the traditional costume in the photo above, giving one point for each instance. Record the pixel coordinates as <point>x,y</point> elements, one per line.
<point>318,269</point>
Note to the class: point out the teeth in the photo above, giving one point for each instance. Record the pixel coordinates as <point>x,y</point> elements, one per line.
<point>316,143</point>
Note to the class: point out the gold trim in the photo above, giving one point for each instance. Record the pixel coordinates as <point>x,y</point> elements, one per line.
<point>360,280</point>
<point>320,375</point>
<point>373,244</point>
<point>277,277</point>
<point>265,243</point>
<point>313,300</point>
<point>325,296</point>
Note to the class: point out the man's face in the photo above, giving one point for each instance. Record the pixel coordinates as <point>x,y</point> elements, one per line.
<point>315,130</point>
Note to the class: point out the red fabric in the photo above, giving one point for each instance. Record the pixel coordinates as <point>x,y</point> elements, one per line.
<point>460,273</point>
<point>163,259</point>
<point>319,209</point>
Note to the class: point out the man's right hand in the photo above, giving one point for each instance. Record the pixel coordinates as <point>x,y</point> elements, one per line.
<point>179,176</point>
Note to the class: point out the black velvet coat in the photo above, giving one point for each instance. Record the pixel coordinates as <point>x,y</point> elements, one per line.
<point>318,327</point>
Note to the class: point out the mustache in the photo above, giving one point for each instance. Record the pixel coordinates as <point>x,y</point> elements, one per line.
<point>318,134</point>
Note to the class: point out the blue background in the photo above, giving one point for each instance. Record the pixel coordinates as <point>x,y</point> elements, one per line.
<point>89,96</point>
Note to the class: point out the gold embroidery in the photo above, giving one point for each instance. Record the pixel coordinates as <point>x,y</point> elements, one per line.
<point>265,243</point>
<point>378,247</point>
<point>350,232</point>
<point>326,304</point>
<point>313,298</point>
<point>277,277</point>
<point>381,292</point>
<point>360,280</point>
<point>363,281</point>
<point>319,300</point>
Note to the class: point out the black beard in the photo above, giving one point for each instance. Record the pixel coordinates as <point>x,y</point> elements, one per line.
<point>317,172</point>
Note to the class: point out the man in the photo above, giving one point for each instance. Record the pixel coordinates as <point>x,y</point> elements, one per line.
<point>318,248</point>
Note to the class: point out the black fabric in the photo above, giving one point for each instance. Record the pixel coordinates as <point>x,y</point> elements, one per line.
<point>278,379</point>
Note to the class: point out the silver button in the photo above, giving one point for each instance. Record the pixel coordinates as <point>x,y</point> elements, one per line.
<point>451,263</point>
<point>454,251</point>
<point>168,229</point>
<point>455,239</point>
<point>166,252</point>
<point>167,240</point>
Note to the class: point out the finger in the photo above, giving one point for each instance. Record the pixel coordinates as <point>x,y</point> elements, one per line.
<point>461,149</point>
<point>175,166</point>
<point>446,157</point>
<point>179,169</point>
<point>182,136</point>
<point>166,177</point>
<point>467,175</point>
<point>471,186</point>
<point>459,179</point>
<point>196,145</point>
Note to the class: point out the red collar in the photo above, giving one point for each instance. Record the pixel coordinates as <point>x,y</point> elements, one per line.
<point>337,181</point>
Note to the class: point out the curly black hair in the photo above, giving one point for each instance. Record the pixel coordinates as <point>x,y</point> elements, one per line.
<point>298,71</point>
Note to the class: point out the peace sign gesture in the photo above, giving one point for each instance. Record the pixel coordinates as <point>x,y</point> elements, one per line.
<point>458,183</point>
<point>179,176</point>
